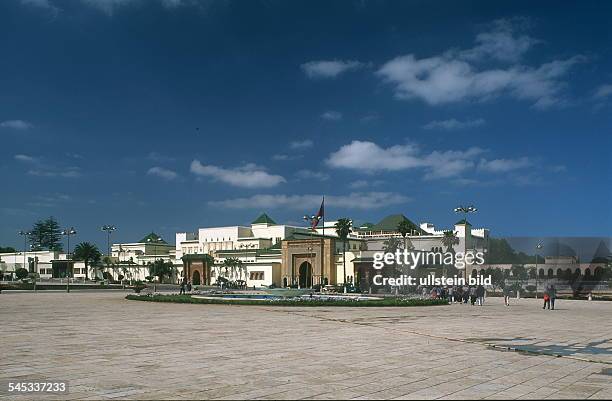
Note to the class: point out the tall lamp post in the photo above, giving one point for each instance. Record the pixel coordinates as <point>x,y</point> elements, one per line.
<point>246,248</point>
<point>155,241</point>
<point>108,229</point>
<point>538,247</point>
<point>67,233</point>
<point>465,210</point>
<point>25,235</point>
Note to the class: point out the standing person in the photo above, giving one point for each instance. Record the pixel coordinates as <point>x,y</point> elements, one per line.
<point>480,291</point>
<point>451,294</point>
<point>459,294</point>
<point>546,298</point>
<point>189,286</point>
<point>182,291</point>
<point>472,295</point>
<point>552,293</point>
<point>506,290</point>
<point>466,294</point>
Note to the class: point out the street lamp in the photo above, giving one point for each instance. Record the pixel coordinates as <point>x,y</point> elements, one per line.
<point>67,233</point>
<point>538,247</point>
<point>465,210</point>
<point>246,247</point>
<point>154,241</point>
<point>25,235</point>
<point>109,229</point>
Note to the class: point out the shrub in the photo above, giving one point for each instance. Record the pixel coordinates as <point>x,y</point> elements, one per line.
<point>399,302</point>
<point>21,273</point>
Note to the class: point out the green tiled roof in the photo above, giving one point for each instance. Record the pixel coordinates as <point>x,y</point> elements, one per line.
<point>463,221</point>
<point>391,222</point>
<point>264,219</point>
<point>153,237</point>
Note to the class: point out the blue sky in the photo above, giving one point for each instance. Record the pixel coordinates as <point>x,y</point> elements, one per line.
<point>172,115</point>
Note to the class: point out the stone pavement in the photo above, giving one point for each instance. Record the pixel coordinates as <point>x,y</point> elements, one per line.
<point>109,348</point>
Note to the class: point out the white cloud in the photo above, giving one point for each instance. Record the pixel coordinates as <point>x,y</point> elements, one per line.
<point>26,158</point>
<point>454,124</point>
<point>503,42</point>
<point>247,176</point>
<point>305,144</point>
<point>331,115</point>
<point>158,157</point>
<point>503,165</point>
<point>284,157</point>
<point>314,175</point>
<point>370,157</point>
<point>359,184</point>
<point>356,200</point>
<point>68,172</point>
<point>40,168</point>
<point>46,4</point>
<point>164,173</point>
<point>455,76</point>
<point>329,69</point>
<point>16,124</point>
<point>603,91</point>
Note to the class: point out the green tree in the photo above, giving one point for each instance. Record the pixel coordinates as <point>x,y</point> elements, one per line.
<point>404,228</point>
<point>449,240</point>
<point>232,265</point>
<point>343,230</point>
<point>21,273</point>
<point>7,249</point>
<point>46,234</point>
<point>88,253</point>
<point>160,269</point>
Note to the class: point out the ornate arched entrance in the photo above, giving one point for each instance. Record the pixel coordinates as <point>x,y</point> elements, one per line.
<point>305,275</point>
<point>195,279</point>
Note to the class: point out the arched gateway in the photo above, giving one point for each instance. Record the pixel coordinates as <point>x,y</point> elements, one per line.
<point>305,275</point>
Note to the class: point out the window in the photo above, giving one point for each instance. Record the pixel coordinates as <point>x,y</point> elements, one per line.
<point>256,276</point>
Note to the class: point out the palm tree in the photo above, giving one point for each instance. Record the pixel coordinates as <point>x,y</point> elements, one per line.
<point>232,264</point>
<point>449,240</point>
<point>343,229</point>
<point>88,253</point>
<point>404,228</point>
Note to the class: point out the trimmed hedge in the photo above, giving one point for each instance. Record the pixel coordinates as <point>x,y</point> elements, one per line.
<point>39,287</point>
<point>187,299</point>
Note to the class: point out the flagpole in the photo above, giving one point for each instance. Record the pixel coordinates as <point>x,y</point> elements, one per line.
<point>323,245</point>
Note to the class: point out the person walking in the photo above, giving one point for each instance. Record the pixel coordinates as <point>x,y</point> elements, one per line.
<point>546,298</point>
<point>552,294</point>
<point>506,290</point>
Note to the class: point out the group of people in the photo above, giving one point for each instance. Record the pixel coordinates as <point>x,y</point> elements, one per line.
<point>185,285</point>
<point>475,295</point>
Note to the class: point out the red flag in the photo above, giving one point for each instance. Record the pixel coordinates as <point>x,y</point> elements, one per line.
<point>320,215</point>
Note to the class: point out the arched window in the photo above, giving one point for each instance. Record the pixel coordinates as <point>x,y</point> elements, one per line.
<point>550,273</point>
<point>541,273</point>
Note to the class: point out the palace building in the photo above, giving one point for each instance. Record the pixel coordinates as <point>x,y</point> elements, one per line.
<point>271,254</point>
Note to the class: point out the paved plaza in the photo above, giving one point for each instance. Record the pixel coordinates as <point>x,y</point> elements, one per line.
<point>109,348</point>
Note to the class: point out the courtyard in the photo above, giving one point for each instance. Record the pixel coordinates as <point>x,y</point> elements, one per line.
<point>107,347</point>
